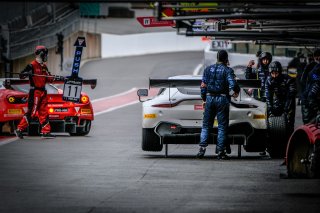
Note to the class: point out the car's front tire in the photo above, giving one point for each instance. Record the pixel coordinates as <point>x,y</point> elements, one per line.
<point>151,141</point>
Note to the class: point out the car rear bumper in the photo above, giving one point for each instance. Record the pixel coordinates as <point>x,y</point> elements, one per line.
<point>69,124</point>
<point>254,140</point>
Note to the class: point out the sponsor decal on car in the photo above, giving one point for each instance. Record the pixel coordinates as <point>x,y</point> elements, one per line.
<point>259,116</point>
<point>198,107</point>
<point>147,116</point>
<point>14,111</point>
<point>86,111</point>
<point>61,110</point>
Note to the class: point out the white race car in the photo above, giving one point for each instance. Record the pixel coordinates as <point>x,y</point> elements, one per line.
<point>174,115</point>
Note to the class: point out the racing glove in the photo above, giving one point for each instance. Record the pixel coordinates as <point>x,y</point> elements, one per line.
<point>23,75</point>
<point>59,78</point>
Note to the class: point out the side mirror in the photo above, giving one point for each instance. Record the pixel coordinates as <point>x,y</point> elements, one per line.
<point>142,92</point>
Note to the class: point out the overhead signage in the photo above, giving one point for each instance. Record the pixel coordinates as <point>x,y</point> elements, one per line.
<point>221,45</point>
<point>153,22</point>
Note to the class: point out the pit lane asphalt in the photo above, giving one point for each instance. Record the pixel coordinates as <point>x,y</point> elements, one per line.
<point>106,171</point>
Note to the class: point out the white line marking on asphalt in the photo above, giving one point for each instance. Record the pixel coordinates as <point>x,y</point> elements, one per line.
<point>114,96</point>
<point>6,141</point>
<point>115,108</point>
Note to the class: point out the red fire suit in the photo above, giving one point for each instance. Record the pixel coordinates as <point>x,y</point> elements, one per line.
<point>37,101</point>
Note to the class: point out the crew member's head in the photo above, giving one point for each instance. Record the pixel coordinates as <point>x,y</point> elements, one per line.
<point>222,56</point>
<point>41,53</point>
<point>275,69</point>
<point>265,58</point>
<point>316,55</point>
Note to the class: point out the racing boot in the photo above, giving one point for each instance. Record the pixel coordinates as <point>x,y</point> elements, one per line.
<point>201,152</point>
<point>18,133</point>
<point>228,148</point>
<point>222,156</point>
<point>47,135</point>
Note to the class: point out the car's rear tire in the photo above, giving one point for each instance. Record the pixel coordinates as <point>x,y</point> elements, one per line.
<point>277,132</point>
<point>151,141</point>
<point>84,131</point>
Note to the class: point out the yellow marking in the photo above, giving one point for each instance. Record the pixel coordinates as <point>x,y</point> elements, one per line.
<point>14,111</point>
<point>215,123</point>
<point>86,111</point>
<point>147,116</point>
<point>260,116</point>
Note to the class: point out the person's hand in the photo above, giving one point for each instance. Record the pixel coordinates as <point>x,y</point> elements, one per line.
<point>203,104</point>
<point>59,78</point>
<point>251,63</point>
<point>235,95</point>
<point>23,75</point>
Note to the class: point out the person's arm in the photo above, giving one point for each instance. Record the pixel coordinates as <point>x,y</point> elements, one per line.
<point>50,78</point>
<point>313,96</point>
<point>234,89</point>
<point>250,73</point>
<point>26,72</point>
<point>203,86</point>
<point>269,96</point>
<point>292,92</point>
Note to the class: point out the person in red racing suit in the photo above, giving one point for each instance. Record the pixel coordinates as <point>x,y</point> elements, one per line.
<point>39,75</point>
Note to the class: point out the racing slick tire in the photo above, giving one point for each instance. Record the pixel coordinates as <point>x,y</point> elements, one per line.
<point>303,160</point>
<point>83,131</point>
<point>277,136</point>
<point>151,141</point>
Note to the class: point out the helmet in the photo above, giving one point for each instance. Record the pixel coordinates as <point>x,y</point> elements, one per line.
<point>42,52</point>
<point>266,55</point>
<point>275,66</point>
<point>222,56</point>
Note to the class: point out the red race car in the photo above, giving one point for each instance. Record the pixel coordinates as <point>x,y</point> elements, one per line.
<point>73,118</point>
<point>303,151</point>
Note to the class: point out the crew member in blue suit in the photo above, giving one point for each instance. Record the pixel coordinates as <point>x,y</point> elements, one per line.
<point>217,87</point>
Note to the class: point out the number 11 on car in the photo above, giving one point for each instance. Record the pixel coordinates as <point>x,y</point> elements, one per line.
<point>72,90</point>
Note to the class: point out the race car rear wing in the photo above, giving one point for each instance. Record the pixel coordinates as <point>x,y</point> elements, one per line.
<point>17,81</point>
<point>170,83</point>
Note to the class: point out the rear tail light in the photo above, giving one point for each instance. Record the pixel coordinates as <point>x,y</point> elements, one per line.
<point>168,105</point>
<point>84,99</point>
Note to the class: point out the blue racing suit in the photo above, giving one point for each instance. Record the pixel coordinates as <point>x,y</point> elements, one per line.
<point>314,99</point>
<point>261,74</point>
<point>312,77</point>
<point>218,82</point>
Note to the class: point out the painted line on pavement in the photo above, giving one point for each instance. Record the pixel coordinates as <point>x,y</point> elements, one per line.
<point>6,140</point>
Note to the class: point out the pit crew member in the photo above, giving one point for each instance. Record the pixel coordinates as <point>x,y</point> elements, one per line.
<point>218,84</point>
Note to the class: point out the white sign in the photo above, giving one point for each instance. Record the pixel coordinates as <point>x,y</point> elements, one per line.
<point>72,90</point>
<point>221,45</point>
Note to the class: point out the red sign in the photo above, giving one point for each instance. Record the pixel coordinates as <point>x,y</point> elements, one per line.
<point>198,107</point>
<point>153,22</point>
